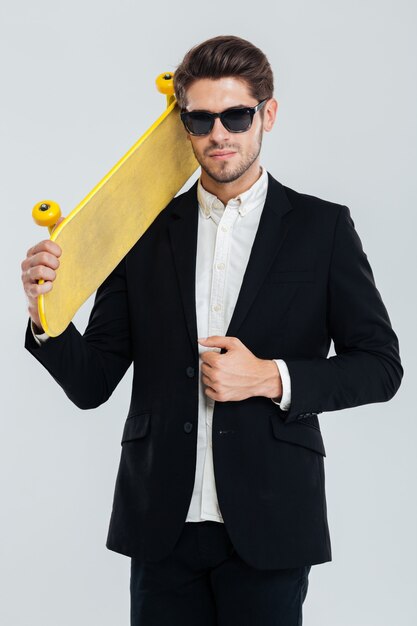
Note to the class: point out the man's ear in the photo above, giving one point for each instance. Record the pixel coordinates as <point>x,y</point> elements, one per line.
<point>270,114</point>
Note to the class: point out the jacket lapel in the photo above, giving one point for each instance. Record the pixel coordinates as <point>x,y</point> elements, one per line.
<point>270,236</point>
<point>183,237</point>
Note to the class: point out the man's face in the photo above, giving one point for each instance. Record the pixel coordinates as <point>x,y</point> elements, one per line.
<point>225,156</point>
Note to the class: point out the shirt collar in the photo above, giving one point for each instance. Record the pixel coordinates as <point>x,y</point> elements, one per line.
<point>247,201</point>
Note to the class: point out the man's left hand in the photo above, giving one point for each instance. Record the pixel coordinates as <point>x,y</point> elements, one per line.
<point>238,374</point>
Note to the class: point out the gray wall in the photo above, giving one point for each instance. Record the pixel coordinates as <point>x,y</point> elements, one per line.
<point>77,91</point>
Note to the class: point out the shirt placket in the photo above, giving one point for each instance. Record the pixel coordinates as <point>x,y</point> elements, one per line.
<point>220,263</point>
<point>217,327</point>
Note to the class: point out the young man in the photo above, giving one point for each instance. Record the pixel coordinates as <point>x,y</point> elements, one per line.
<point>227,307</point>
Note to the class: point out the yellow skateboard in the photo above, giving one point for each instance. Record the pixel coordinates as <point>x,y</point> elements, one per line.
<point>100,231</point>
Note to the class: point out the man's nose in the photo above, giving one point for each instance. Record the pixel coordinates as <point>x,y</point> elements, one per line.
<point>219,133</point>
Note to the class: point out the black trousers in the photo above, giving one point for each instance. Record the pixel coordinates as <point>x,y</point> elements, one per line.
<point>203,582</point>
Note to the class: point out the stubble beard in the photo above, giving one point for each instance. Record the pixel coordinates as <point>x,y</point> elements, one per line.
<point>226,173</point>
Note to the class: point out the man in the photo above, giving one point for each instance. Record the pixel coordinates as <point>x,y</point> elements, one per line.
<point>226,306</point>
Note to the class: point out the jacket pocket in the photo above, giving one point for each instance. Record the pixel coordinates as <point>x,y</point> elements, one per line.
<point>298,434</point>
<point>136,427</point>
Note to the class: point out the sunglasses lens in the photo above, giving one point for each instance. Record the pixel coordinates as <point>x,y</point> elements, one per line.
<point>237,120</point>
<point>198,123</point>
<point>201,123</point>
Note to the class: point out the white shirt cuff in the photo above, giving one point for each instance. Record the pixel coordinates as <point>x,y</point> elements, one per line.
<point>40,339</point>
<point>285,401</point>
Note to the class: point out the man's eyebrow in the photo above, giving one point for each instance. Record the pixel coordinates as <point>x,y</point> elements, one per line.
<point>234,106</point>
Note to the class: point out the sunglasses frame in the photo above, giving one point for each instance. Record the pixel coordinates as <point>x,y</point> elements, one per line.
<point>251,110</point>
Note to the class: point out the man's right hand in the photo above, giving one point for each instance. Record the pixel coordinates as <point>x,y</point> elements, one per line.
<point>41,261</point>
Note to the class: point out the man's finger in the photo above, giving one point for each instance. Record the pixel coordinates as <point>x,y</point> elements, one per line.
<point>217,341</point>
<point>44,258</point>
<point>210,393</point>
<point>40,272</point>
<point>35,290</point>
<point>206,368</point>
<point>209,357</point>
<point>45,246</point>
<point>207,381</point>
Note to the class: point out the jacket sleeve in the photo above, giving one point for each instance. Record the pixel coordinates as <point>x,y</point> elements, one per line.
<point>367,366</point>
<point>88,367</point>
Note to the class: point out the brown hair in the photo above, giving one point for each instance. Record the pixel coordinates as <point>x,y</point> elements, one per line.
<point>221,57</point>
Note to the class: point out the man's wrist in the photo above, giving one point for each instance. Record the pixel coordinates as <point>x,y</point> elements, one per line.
<point>271,383</point>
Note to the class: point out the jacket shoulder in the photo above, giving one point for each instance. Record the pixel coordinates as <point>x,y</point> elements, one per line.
<point>180,204</point>
<point>300,200</point>
<point>308,202</point>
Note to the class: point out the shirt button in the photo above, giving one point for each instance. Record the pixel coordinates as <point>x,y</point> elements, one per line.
<point>217,307</point>
<point>224,229</point>
<point>220,266</point>
<point>190,372</point>
<point>188,427</point>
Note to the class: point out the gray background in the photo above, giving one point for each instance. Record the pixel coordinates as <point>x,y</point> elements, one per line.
<point>77,85</point>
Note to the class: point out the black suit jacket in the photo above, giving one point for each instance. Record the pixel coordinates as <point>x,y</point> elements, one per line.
<point>307,281</point>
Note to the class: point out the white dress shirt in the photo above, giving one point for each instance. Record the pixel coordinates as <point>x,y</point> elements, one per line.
<point>225,238</point>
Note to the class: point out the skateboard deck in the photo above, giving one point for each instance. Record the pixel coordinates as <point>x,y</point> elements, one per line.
<point>107,223</point>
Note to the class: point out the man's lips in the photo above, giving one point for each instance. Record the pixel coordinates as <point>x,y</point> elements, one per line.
<point>222,154</point>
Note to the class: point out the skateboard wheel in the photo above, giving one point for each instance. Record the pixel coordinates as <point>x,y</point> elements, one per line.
<point>165,83</point>
<point>46,213</point>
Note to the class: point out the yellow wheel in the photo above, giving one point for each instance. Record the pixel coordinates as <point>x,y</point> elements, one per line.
<point>165,83</point>
<point>46,213</point>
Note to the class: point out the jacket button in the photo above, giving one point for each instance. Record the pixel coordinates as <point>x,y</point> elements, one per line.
<point>190,372</point>
<point>188,427</point>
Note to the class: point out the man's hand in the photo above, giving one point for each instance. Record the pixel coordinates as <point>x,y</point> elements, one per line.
<point>238,374</point>
<point>41,261</point>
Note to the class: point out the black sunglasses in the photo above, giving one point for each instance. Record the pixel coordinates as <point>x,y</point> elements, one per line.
<point>236,120</point>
